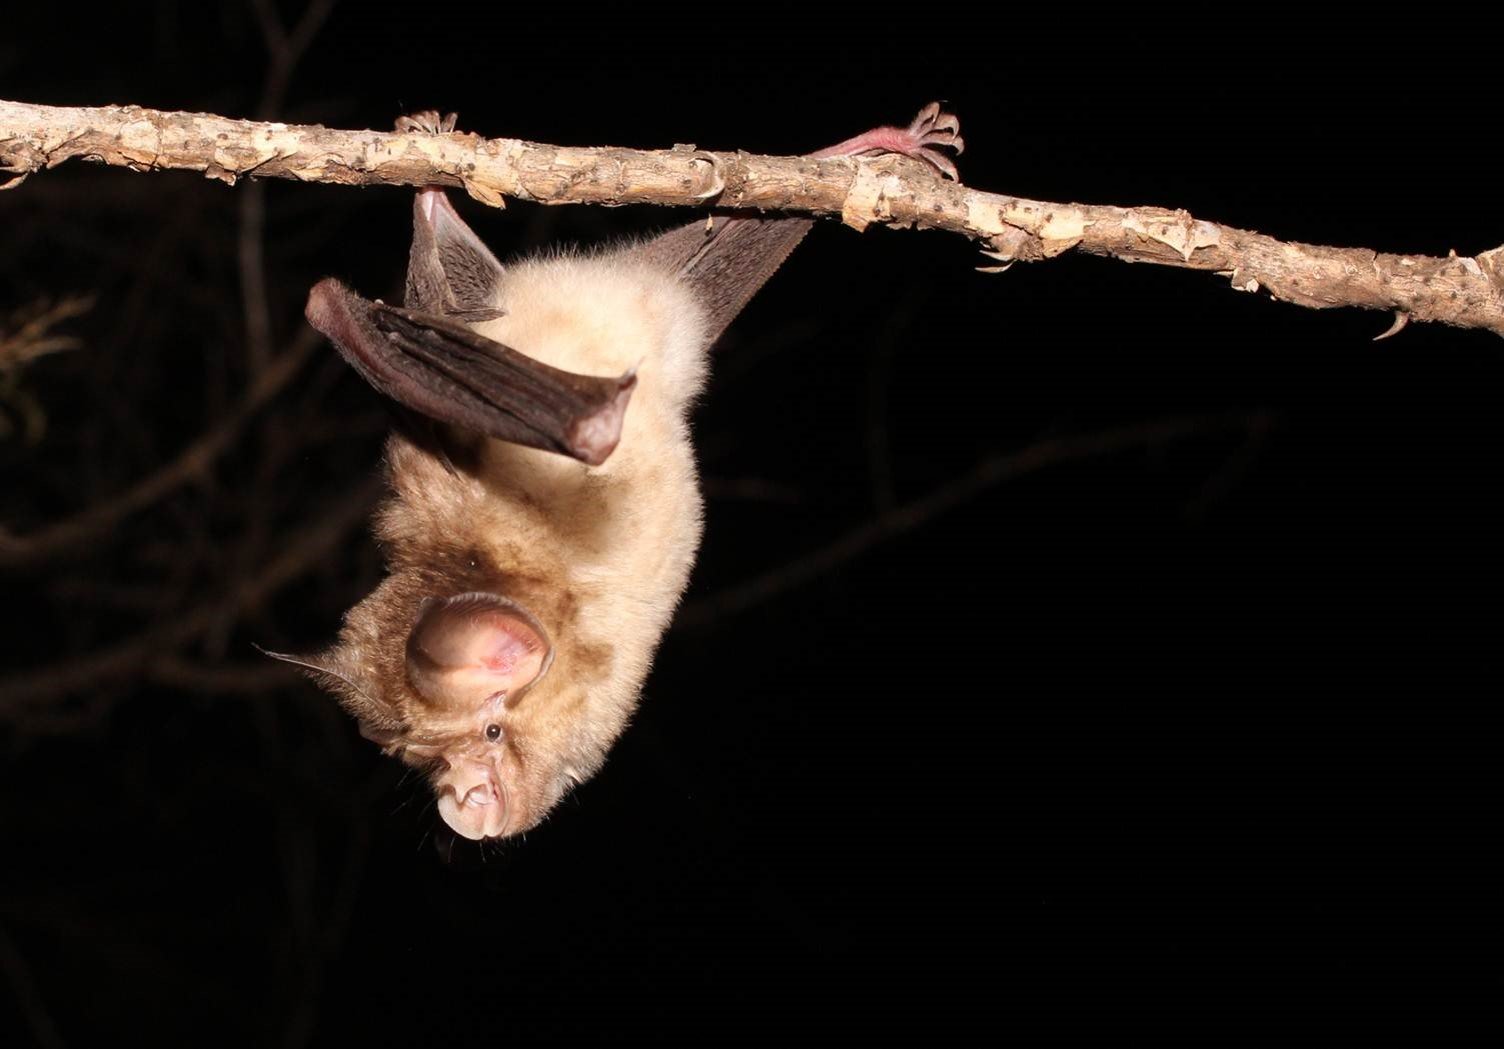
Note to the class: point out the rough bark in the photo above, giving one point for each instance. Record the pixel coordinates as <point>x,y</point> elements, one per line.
<point>1464,291</point>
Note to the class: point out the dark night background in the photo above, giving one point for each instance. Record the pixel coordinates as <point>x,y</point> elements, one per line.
<point>1195,734</point>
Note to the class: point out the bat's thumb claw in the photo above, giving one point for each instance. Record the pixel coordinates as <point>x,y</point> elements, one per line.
<point>594,437</point>
<point>326,301</point>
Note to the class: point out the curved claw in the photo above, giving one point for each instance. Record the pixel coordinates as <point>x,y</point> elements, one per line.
<point>939,161</point>
<point>944,138</point>
<point>935,123</point>
<point>429,122</point>
<point>955,142</point>
<point>924,119</point>
<point>932,129</point>
<point>946,122</point>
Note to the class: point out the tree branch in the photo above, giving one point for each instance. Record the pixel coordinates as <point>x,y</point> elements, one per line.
<point>1464,291</point>
<point>953,494</point>
<point>22,692</point>
<point>193,461</point>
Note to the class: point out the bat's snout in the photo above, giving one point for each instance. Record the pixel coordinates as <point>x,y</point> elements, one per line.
<point>472,800</point>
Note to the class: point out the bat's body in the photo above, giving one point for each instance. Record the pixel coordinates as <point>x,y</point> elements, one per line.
<point>528,588</point>
<point>598,554</point>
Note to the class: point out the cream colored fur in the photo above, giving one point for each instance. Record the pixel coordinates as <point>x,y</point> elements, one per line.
<point>600,554</point>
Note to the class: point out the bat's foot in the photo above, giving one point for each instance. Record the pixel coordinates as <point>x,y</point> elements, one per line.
<point>429,122</point>
<point>931,131</point>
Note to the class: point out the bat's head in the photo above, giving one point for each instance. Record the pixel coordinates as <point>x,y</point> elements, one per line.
<point>471,659</point>
<point>477,679</point>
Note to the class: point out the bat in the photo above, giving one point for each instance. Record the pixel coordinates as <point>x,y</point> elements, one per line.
<point>544,510</point>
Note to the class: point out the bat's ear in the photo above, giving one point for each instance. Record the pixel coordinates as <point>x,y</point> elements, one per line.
<point>355,687</point>
<point>471,648</point>
<point>450,271</point>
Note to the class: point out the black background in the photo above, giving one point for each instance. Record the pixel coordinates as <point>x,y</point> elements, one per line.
<point>1193,736</point>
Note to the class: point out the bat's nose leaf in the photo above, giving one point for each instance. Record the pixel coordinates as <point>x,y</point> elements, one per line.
<point>472,803</point>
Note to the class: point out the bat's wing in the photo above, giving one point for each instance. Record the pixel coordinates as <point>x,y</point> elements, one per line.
<point>439,368</point>
<point>450,271</point>
<point>728,259</point>
<point>725,260</point>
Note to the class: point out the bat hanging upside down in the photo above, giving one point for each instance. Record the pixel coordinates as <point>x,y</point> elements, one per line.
<point>545,510</point>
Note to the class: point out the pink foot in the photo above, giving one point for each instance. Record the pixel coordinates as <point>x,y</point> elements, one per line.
<point>931,131</point>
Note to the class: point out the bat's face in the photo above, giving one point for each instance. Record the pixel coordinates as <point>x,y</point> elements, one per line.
<point>479,681</point>
<point>470,660</point>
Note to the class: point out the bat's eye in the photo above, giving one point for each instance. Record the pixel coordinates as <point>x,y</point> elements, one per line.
<point>493,732</point>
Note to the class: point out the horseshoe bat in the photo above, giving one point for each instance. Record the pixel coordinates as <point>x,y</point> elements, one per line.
<point>544,511</point>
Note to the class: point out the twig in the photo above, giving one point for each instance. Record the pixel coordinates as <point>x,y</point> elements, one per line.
<point>284,50</point>
<point>298,553</point>
<point>1464,291</point>
<point>191,462</point>
<point>28,333</point>
<point>24,990</point>
<point>948,497</point>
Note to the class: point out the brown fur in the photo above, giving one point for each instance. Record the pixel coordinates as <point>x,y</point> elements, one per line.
<point>598,555</point>
<point>595,556</point>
